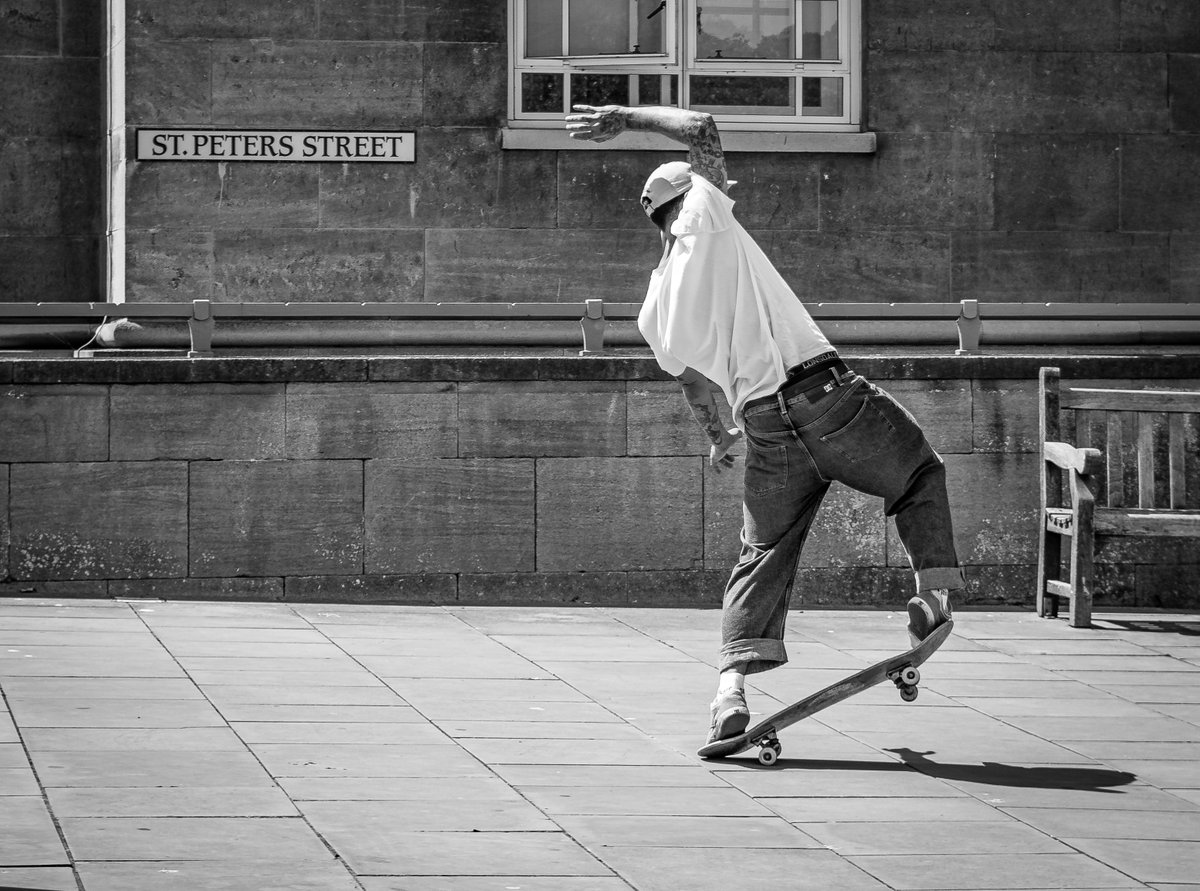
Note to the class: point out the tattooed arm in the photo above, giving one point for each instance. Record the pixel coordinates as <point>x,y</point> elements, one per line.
<point>698,390</point>
<point>695,129</point>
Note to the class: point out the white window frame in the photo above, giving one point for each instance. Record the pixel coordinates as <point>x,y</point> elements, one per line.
<point>680,61</point>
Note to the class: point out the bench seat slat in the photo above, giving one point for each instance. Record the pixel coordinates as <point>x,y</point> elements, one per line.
<point>1182,523</point>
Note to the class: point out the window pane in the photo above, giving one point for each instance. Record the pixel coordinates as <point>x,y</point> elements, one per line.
<point>650,32</point>
<point>543,28</point>
<point>821,96</point>
<point>599,26</point>
<point>744,95</point>
<point>820,29</point>
<point>600,89</point>
<point>747,29</point>
<point>657,89</point>
<point>542,93</point>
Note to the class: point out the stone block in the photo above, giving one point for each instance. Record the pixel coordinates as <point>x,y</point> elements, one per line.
<point>30,28</point>
<point>439,516</point>
<point>535,419</point>
<point>168,82</point>
<point>1012,585</point>
<point>723,516</point>
<point>943,408</point>
<point>49,423</point>
<point>993,503</point>
<point>1160,183</point>
<point>429,21</point>
<point>83,28</point>
<point>1185,267</point>
<point>1005,416</point>
<point>689,589</point>
<point>98,520</point>
<point>322,265</point>
<point>1061,267</point>
<point>376,420</point>
<point>1155,26</point>
<point>1057,182</point>
<point>349,85</point>
<point>910,90</point>
<point>1185,91</point>
<point>460,179</point>
<point>916,26</point>
<point>34,84</point>
<point>660,422</point>
<point>849,530</point>
<point>93,589</point>
<point>260,19</point>
<point>175,195</point>
<point>274,518</point>
<point>258,590</point>
<point>619,514</point>
<point>425,588</point>
<point>168,264</point>
<point>197,422</point>
<point>1057,93</point>
<point>49,268</point>
<point>226,197</point>
<point>914,181</point>
<point>851,587</point>
<point>1168,587</point>
<point>81,206</point>
<point>31,169</point>
<point>447,67</point>
<point>857,267</point>
<point>454,368</point>
<point>520,265</point>
<point>5,532</point>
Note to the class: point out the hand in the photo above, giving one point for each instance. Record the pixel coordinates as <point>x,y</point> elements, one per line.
<point>719,458</point>
<point>597,124</point>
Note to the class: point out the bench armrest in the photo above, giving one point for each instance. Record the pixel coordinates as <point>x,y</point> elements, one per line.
<point>1084,461</point>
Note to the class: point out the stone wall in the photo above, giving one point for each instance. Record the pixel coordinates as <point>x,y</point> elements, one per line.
<point>1026,151</point>
<point>51,149</point>
<point>490,480</point>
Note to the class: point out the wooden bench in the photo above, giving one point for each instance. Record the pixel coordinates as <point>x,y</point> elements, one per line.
<point>1115,461</point>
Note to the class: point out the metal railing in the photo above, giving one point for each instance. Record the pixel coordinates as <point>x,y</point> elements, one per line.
<point>1136,322</point>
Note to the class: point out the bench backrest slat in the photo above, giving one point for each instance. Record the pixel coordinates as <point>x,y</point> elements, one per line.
<point>1176,459</point>
<point>1145,459</point>
<point>1130,400</point>
<point>1114,455</point>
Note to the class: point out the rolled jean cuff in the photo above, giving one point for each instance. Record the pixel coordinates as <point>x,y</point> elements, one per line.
<point>940,577</point>
<point>756,654</point>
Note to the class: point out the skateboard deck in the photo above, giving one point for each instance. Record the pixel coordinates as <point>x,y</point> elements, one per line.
<point>901,670</point>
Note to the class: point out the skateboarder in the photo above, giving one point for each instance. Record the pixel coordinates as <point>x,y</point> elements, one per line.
<point>718,314</point>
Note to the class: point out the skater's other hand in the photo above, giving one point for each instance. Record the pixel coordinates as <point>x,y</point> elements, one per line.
<point>598,124</point>
<point>719,458</point>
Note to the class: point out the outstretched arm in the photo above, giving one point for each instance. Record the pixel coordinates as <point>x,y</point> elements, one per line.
<point>698,390</point>
<point>695,129</point>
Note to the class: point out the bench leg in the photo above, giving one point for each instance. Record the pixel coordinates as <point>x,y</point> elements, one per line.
<point>1082,555</point>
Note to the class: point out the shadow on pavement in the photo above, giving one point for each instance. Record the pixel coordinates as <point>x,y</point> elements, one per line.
<point>987,773</point>
<point>1188,629</point>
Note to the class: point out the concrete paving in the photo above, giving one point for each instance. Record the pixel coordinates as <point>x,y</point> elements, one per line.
<point>250,747</point>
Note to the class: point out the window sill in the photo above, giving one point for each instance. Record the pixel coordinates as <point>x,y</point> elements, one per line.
<point>731,141</point>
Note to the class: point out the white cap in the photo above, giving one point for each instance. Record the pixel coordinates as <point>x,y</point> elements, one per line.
<point>668,181</point>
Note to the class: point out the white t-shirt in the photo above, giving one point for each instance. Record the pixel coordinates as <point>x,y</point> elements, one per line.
<point>717,304</point>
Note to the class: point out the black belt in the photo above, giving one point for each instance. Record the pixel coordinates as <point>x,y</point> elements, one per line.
<point>813,382</point>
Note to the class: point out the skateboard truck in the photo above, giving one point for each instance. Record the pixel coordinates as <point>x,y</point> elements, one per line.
<point>906,679</point>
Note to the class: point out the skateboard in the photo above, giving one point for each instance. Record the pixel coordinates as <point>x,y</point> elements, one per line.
<point>900,670</point>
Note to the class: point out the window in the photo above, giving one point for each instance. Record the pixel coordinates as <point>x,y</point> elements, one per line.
<point>777,65</point>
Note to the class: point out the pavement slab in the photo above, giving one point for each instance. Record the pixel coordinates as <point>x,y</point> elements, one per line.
<point>310,747</point>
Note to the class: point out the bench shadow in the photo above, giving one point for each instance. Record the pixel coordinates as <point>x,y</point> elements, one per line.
<point>987,773</point>
<point>1164,626</point>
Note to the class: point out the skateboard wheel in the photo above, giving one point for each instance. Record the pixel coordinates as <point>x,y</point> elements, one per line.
<point>908,693</point>
<point>910,676</point>
<point>768,755</point>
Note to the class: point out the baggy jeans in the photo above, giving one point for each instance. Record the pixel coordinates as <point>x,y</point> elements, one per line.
<point>855,434</point>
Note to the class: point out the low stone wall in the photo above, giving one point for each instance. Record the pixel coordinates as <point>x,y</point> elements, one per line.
<point>484,480</point>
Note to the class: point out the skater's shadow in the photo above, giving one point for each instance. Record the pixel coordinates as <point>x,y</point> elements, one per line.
<point>986,773</point>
